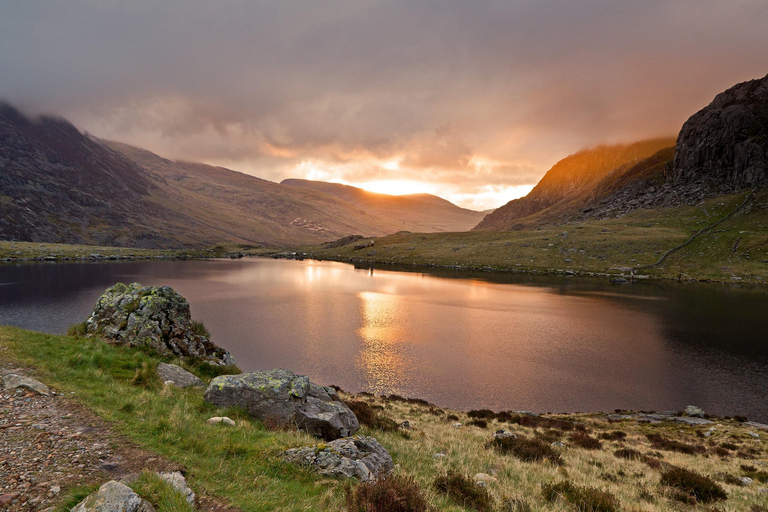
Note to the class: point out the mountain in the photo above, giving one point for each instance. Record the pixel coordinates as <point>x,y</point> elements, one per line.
<point>59,185</point>
<point>571,180</point>
<point>415,212</point>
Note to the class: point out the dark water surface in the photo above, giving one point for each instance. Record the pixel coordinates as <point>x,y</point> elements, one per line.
<point>456,339</point>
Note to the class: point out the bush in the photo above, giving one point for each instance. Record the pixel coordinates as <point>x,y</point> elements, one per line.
<point>370,418</point>
<point>659,442</point>
<point>478,423</point>
<point>527,420</point>
<point>485,414</point>
<point>528,450</point>
<point>395,494</point>
<point>200,329</point>
<point>80,329</point>
<point>703,488</point>
<point>585,499</point>
<point>464,491</point>
<point>628,453</point>
<point>616,435</point>
<point>584,440</point>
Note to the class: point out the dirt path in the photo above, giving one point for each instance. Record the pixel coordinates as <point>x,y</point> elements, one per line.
<point>48,445</point>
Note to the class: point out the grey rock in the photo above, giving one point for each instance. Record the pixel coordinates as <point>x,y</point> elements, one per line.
<point>178,376</point>
<point>178,482</point>
<point>745,480</point>
<point>220,420</point>
<point>501,434</point>
<point>761,426</point>
<point>329,420</point>
<point>111,497</point>
<point>691,421</point>
<point>157,317</point>
<point>440,455</point>
<point>352,457</point>
<point>755,435</point>
<point>692,410</point>
<point>406,425</point>
<point>324,393</point>
<point>13,381</point>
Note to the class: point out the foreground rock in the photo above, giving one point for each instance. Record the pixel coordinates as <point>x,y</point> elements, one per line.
<point>280,397</point>
<point>157,318</point>
<point>352,457</point>
<point>178,376</point>
<point>113,497</point>
<point>12,381</point>
<point>178,482</point>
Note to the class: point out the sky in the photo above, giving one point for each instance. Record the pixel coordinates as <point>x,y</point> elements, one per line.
<point>470,100</point>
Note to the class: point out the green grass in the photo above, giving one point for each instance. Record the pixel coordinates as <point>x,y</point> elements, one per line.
<point>243,467</point>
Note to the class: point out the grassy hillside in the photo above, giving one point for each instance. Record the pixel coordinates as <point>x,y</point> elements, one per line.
<point>734,251</point>
<point>614,464</point>
<point>415,212</point>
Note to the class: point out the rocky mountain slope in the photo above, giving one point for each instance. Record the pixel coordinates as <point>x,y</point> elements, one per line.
<point>421,212</point>
<point>571,179</point>
<point>59,185</point>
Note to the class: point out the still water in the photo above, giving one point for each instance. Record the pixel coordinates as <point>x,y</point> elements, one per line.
<point>456,339</point>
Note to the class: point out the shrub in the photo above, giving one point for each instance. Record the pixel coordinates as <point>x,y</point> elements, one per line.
<point>584,499</point>
<point>659,442</point>
<point>584,440</point>
<point>616,435</point>
<point>527,420</point>
<point>413,401</point>
<point>80,329</point>
<point>451,417</point>
<point>394,494</point>
<point>464,491</point>
<point>200,329</point>
<point>478,423</point>
<point>628,453</point>
<point>370,418</point>
<point>485,414</point>
<point>701,487</point>
<point>528,450</point>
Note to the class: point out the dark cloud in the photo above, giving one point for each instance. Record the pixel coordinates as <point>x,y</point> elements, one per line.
<point>469,94</point>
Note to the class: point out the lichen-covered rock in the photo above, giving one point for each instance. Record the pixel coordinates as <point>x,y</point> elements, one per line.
<point>178,482</point>
<point>280,397</point>
<point>178,376</point>
<point>155,317</point>
<point>353,457</point>
<point>13,381</point>
<point>326,419</point>
<point>112,497</point>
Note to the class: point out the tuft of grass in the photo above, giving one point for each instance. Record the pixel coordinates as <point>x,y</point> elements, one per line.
<point>370,418</point>
<point>659,442</point>
<point>200,329</point>
<point>628,453</point>
<point>584,499</point>
<point>527,450</point>
<point>478,423</point>
<point>616,435</point>
<point>75,495</point>
<point>160,493</point>
<point>700,487</point>
<point>146,377</point>
<point>464,491</point>
<point>206,370</point>
<point>80,329</point>
<point>516,505</point>
<point>394,494</point>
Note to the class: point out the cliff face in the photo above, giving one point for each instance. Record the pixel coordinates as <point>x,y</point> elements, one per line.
<point>727,141</point>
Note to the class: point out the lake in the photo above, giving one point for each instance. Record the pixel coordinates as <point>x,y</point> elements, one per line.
<point>460,340</point>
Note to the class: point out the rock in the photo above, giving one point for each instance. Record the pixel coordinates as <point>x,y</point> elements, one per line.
<point>406,425</point>
<point>440,455</point>
<point>13,381</point>
<point>280,397</point>
<point>745,480</point>
<point>619,280</point>
<point>177,376</point>
<point>111,467</point>
<point>111,497</point>
<point>558,444</point>
<point>329,420</point>
<point>501,434</point>
<point>55,490</point>
<point>691,420</point>
<point>156,317</point>
<point>178,482</point>
<point>755,435</point>
<point>692,410</point>
<point>217,420</point>
<point>352,457</point>
<point>7,499</point>
<point>484,479</point>
<point>456,425</point>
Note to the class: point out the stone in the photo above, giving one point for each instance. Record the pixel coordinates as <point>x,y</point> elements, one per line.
<point>178,376</point>
<point>13,381</point>
<point>745,480</point>
<point>484,478</point>
<point>111,497</point>
<point>351,457</point>
<point>155,317</point>
<point>220,420</point>
<point>280,397</point>
<point>456,425</point>
<point>501,434</point>
<point>692,410</point>
<point>406,425</point>
<point>178,482</point>
<point>558,444</point>
<point>440,455</point>
<point>7,499</point>
<point>754,435</point>
<point>691,420</point>
<point>329,420</point>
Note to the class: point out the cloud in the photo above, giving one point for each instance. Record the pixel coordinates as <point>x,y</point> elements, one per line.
<point>459,94</point>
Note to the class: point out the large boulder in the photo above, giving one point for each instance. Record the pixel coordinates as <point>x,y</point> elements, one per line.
<point>155,317</point>
<point>352,457</point>
<point>113,497</point>
<point>280,397</point>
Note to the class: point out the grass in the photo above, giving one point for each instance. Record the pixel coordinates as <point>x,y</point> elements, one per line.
<point>584,499</point>
<point>394,494</point>
<point>736,251</point>
<point>701,487</point>
<point>243,465</point>
<point>464,491</point>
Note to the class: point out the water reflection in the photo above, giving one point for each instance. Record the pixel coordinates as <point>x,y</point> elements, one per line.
<point>457,339</point>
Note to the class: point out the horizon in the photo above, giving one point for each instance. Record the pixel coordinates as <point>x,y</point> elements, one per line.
<point>470,103</point>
